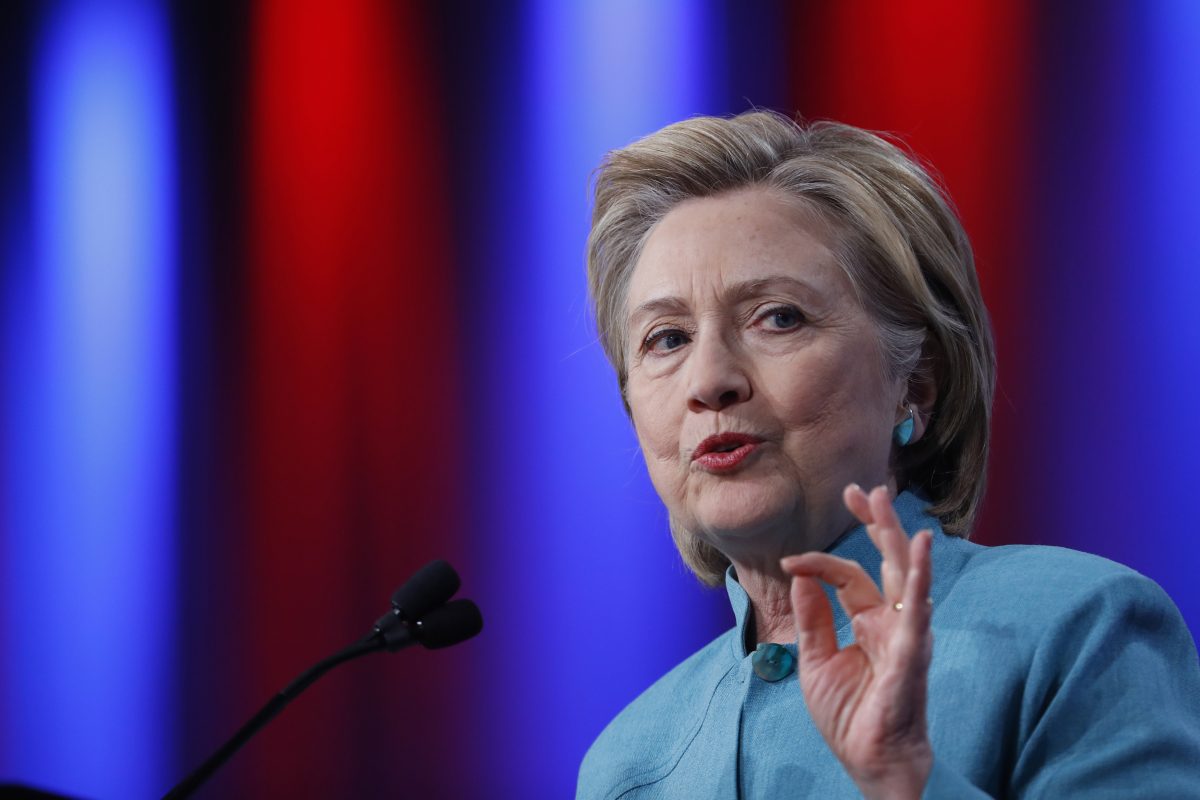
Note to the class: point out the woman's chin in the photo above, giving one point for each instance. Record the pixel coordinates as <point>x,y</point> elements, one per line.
<point>745,517</point>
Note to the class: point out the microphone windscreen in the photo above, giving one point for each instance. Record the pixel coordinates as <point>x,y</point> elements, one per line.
<point>454,622</point>
<point>432,585</point>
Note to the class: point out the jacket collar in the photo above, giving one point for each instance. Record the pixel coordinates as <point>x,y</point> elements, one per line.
<point>855,545</point>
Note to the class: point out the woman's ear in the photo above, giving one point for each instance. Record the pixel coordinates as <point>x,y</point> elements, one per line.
<point>922,388</point>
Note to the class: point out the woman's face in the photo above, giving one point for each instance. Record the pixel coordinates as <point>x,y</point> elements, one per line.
<point>755,377</point>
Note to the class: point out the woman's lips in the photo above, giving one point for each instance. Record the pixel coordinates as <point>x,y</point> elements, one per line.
<point>724,452</point>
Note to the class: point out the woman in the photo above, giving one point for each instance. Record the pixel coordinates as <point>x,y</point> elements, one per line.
<point>793,313</point>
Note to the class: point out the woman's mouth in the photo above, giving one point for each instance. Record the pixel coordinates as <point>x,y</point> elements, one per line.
<point>724,452</point>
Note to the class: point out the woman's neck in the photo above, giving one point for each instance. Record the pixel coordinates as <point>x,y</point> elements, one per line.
<point>770,605</point>
<point>768,586</point>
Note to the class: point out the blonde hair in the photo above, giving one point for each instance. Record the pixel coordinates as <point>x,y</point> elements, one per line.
<point>898,239</point>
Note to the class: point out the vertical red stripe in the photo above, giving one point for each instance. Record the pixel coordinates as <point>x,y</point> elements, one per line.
<point>950,78</point>
<point>351,445</point>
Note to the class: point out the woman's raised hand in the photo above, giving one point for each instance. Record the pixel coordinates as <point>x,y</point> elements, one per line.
<point>868,699</point>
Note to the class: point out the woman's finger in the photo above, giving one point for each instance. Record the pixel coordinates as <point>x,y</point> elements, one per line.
<point>816,640</point>
<point>855,589</point>
<point>888,535</point>
<point>858,504</point>
<point>917,608</point>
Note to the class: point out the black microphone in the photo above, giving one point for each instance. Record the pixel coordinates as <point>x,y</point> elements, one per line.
<point>431,586</point>
<point>454,622</point>
<point>422,612</point>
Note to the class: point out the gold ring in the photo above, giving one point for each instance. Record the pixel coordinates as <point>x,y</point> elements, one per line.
<point>898,606</point>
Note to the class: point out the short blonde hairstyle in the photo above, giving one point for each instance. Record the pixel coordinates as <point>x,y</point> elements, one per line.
<point>898,239</point>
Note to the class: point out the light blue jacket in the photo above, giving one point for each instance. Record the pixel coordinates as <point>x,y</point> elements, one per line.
<point>1055,674</point>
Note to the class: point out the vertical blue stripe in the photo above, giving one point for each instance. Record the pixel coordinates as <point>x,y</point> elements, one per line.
<point>1164,210</point>
<point>1118,290</point>
<point>89,415</point>
<point>588,601</point>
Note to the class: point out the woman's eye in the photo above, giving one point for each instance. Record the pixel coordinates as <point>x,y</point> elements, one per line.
<point>782,318</point>
<point>665,340</point>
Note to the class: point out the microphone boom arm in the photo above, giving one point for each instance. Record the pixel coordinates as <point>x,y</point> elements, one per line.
<point>422,611</point>
<point>191,783</point>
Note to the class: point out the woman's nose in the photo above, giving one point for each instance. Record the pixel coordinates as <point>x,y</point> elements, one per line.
<point>717,376</point>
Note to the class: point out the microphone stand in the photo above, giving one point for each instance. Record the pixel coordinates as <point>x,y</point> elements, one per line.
<point>192,782</point>
<point>421,612</point>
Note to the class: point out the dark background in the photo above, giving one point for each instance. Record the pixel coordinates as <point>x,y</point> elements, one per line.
<point>293,301</point>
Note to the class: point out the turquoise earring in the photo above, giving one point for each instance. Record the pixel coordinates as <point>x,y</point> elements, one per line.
<point>903,432</point>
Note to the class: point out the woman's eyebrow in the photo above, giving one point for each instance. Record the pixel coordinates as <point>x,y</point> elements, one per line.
<point>656,306</point>
<point>744,290</point>
<point>734,293</point>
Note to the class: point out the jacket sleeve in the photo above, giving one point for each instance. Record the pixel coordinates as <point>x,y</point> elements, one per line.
<point>1112,704</point>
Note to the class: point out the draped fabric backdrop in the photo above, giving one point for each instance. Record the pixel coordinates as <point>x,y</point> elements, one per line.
<point>292,300</point>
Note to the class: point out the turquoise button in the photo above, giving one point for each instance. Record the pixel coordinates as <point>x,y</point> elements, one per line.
<point>772,662</point>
